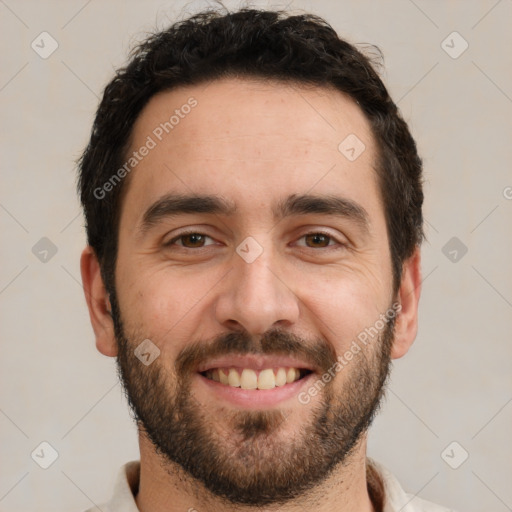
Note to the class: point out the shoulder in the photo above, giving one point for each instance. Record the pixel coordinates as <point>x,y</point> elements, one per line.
<point>125,489</point>
<point>419,505</point>
<point>396,499</point>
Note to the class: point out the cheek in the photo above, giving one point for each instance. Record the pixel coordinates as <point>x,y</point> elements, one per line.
<point>344,305</point>
<point>161,306</point>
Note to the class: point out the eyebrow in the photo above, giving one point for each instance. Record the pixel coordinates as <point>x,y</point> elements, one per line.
<point>174,205</point>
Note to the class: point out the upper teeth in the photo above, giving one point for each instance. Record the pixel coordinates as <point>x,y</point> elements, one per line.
<point>247,378</point>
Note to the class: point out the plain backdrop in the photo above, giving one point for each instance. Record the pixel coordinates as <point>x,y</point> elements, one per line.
<point>449,398</point>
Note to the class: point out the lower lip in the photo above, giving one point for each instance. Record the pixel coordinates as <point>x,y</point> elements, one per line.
<point>255,398</point>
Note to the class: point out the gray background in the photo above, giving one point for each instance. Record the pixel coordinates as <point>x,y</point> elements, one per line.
<point>454,385</point>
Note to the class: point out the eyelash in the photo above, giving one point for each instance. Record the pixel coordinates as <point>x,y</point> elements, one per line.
<point>328,235</point>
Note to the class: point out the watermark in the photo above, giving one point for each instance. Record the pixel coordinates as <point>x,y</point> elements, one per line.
<point>364,337</point>
<point>44,45</point>
<point>146,352</point>
<point>44,455</point>
<point>454,249</point>
<point>150,143</point>
<point>454,455</point>
<point>454,45</point>
<point>249,250</point>
<point>351,147</point>
<point>44,250</point>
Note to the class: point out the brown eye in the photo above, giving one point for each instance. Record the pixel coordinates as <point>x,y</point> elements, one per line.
<point>190,240</point>
<point>317,239</point>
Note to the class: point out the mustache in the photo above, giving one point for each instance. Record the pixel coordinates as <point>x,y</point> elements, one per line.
<point>274,342</point>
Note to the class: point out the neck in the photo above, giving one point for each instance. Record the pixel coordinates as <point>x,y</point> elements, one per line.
<point>162,484</point>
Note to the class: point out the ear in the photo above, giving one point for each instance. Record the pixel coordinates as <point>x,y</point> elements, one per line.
<point>406,325</point>
<point>98,303</point>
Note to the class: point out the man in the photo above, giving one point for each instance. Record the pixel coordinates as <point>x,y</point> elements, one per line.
<point>253,209</point>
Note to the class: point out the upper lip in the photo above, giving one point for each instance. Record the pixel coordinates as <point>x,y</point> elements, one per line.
<point>254,362</point>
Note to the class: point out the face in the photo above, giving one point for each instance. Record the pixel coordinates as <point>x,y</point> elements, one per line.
<point>253,253</point>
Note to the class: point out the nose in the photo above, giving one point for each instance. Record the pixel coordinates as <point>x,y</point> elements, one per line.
<point>257,296</point>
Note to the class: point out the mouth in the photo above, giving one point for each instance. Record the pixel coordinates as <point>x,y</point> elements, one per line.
<point>247,378</point>
<point>255,371</point>
<point>254,381</point>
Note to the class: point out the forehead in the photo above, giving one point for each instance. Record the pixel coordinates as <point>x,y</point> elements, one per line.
<point>250,140</point>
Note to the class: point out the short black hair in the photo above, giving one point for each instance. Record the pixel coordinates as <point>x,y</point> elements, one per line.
<point>271,45</point>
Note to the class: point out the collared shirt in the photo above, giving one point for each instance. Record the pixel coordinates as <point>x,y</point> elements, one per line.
<point>394,498</point>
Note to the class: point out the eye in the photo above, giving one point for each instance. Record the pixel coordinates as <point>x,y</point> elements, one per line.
<point>190,240</point>
<point>196,240</point>
<point>319,240</point>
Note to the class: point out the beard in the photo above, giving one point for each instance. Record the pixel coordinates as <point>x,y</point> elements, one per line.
<point>246,457</point>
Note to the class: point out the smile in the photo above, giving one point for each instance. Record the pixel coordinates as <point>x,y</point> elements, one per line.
<point>247,378</point>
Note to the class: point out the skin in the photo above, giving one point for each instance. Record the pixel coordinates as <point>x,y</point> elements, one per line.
<point>253,143</point>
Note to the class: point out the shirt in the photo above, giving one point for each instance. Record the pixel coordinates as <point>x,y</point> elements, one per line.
<point>393,499</point>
